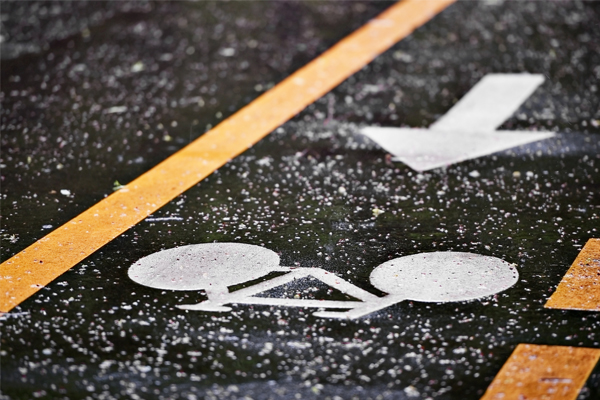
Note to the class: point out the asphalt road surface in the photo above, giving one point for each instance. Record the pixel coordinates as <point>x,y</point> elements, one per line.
<point>94,93</point>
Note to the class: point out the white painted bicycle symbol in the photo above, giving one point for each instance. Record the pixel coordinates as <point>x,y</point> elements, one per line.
<point>214,267</point>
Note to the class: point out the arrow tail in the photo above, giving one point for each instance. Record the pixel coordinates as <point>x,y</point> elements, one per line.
<point>489,103</point>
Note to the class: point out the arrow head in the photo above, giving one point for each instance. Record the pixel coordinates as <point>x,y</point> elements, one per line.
<point>425,149</point>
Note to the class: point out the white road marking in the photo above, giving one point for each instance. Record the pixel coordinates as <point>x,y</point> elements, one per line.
<point>468,130</point>
<point>245,296</point>
<point>163,219</point>
<point>428,277</point>
<point>435,277</point>
<point>208,266</point>
<point>491,102</point>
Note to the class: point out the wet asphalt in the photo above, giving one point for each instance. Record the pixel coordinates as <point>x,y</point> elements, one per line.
<point>94,93</point>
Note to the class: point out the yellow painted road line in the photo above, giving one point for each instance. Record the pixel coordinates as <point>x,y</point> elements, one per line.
<point>579,289</point>
<point>543,372</point>
<point>39,264</point>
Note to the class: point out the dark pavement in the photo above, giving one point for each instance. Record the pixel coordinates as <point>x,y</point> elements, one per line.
<point>94,93</point>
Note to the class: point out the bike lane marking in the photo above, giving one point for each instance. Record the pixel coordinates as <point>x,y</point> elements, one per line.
<point>39,264</point>
<point>579,289</point>
<point>543,372</point>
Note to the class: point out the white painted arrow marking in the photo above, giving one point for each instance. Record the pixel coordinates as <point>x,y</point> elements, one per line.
<point>468,130</point>
<point>491,102</point>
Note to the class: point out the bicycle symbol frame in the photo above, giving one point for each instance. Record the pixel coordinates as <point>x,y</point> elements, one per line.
<point>214,267</point>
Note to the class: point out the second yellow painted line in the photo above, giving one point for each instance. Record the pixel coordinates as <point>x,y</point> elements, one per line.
<point>579,289</point>
<point>543,372</point>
